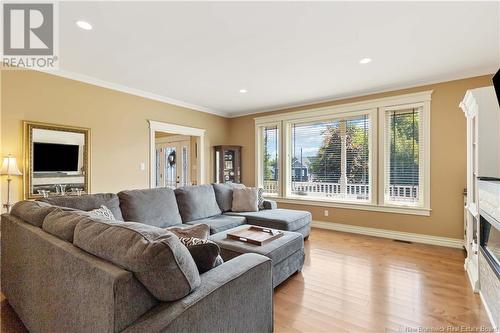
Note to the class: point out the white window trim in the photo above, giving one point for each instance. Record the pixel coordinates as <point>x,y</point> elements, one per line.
<point>376,109</point>
<point>425,172</point>
<point>258,153</point>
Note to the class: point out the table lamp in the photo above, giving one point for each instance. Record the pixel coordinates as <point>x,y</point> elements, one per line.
<point>9,168</point>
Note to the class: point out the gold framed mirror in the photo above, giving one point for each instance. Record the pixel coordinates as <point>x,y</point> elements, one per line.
<point>56,160</point>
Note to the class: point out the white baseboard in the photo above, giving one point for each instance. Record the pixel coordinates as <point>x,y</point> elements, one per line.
<point>399,235</point>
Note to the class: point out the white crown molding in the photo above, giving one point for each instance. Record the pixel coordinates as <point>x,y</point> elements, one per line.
<point>132,91</point>
<point>391,234</point>
<point>138,92</point>
<point>365,93</point>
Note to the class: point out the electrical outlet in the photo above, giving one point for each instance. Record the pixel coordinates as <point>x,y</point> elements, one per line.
<point>326,212</point>
<point>143,166</point>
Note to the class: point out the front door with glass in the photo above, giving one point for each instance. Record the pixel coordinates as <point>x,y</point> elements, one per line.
<point>172,164</point>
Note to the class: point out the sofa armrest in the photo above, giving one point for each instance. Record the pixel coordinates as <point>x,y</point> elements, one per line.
<point>236,296</point>
<point>270,204</point>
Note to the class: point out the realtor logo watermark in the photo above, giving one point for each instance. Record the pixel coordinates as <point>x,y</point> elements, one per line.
<point>30,36</point>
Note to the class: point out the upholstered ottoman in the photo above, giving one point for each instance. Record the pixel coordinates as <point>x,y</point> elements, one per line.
<point>286,252</point>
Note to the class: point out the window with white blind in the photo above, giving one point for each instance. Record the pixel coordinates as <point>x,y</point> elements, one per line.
<point>330,159</point>
<point>403,156</point>
<point>370,155</point>
<point>269,159</point>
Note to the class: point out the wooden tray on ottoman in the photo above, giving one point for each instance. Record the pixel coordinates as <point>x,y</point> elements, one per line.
<point>255,235</point>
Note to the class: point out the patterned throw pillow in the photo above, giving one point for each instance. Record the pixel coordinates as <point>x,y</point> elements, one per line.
<point>260,194</point>
<point>206,254</point>
<point>102,213</point>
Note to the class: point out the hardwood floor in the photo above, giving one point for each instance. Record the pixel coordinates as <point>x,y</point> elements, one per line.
<point>354,283</point>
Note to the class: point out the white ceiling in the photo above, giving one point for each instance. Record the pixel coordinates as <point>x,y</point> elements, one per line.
<point>200,54</point>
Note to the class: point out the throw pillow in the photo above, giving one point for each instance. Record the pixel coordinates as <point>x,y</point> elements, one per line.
<point>102,213</point>
<point>201,231</point>
<point>206,254</point>
<point>245,199</point>
<point>261,198</point>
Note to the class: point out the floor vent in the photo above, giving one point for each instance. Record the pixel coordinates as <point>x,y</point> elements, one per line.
<point>402,241</point>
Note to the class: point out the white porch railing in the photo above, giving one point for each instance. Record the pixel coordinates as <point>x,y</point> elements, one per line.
<point>359,191</point>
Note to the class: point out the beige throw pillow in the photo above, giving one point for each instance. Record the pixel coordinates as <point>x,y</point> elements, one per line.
<point>201,231</point>
<point>245,199</point>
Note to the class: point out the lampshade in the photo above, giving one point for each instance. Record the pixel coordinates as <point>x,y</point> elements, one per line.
<point>9,167</point>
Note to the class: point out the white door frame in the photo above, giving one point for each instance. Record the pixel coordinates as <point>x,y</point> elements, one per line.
<point>157,126</point>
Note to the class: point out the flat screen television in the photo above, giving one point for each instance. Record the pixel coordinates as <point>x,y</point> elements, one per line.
<point>496,84</point>
<point>54,157</point>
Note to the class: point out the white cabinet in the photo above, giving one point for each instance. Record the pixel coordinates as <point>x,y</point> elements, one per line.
<point>483,160</point>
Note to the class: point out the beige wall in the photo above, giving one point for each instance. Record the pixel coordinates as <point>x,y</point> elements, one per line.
<point>120,141</point>
<point>118,121</point>
<point>448,164</point>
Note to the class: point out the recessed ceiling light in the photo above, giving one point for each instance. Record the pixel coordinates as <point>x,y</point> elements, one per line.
<point>365,61</point>
<point>84,25</point>
<point>243,91</point>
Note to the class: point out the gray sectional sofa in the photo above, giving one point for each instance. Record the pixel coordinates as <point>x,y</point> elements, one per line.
<point>64,271</point>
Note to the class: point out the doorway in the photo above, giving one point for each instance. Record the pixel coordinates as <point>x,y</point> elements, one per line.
<point>176,155</point>
<point>174,163</point>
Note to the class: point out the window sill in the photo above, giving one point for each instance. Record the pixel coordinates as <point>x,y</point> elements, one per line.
<point>358,206</point>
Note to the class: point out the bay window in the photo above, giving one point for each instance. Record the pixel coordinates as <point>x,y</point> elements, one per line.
<point>371,155</point>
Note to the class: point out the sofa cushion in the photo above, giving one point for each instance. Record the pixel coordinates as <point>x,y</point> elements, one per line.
<point>156,207</point>
<point>88,202</point>
<point>197,202</point>
<point>62,223</point>
<point>155,256</point>
<point>220,223</point>
<point>282,219</point>
<point>224,195</point>
<point>33,212</point>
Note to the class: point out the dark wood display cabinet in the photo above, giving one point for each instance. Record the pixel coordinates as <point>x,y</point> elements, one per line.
<point>227,164</point>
